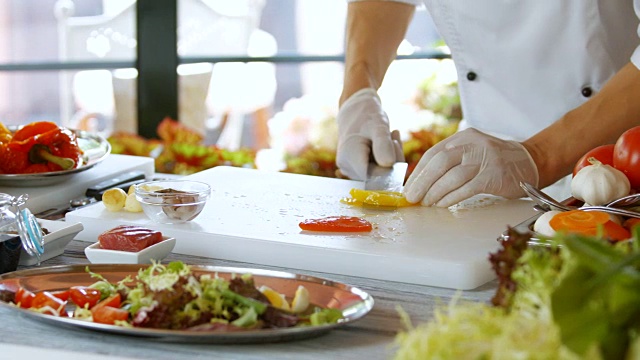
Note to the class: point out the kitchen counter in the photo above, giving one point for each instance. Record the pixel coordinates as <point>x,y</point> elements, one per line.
<point>369,338</point>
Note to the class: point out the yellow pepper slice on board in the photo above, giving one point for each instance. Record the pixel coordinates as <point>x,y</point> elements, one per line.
<point>376,197</point>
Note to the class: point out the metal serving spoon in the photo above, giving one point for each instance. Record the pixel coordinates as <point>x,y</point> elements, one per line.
<point>625,201</point>
<point>543,200</point>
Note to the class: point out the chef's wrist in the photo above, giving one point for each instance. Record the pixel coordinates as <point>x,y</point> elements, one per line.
<point>549,168</point>
<point>357,77</point>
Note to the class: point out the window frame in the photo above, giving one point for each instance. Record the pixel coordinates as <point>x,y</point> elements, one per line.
<point>156,63</point>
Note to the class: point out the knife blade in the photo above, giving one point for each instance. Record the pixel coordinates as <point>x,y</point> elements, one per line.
<point>386,178</point>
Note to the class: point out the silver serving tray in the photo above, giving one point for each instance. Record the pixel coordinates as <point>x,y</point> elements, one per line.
<point>527,226</point>
<point>95,148</point>
<point>523,227</point>
<point>353,302</point>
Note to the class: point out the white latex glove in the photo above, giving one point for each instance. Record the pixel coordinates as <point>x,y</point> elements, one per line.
<point>469,163</point>
<point>362,127</point>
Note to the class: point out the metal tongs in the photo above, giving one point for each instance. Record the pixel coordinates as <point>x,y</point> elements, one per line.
<point>545,202</point>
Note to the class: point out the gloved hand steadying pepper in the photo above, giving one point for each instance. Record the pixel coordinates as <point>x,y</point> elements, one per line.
<point>469,163</point>
<point>364,128</point>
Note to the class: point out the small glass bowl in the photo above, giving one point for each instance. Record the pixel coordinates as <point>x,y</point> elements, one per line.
<point>172,201</point>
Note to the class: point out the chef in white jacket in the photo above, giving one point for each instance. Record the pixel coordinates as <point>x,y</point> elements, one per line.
<point>541,83</point>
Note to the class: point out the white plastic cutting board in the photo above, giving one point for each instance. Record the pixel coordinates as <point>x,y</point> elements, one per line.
<point>253,216</point>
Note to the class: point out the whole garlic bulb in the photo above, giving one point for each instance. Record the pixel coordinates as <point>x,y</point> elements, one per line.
<point>598,184</point>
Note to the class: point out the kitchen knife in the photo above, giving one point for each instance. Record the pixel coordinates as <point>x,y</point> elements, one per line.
<point>93,194</point>
<point>386,178</point>
<point>122,180</point>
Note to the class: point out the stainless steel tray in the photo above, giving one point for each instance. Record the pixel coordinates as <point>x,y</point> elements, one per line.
<point>527,226</point>
<point>353,302</point>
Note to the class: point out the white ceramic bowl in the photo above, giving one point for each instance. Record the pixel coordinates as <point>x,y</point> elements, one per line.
<point>164,206</point>
<point>60,234</point>
<point>156,252</point>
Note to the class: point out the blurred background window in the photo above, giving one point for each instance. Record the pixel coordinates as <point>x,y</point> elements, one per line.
<point>251,73</point>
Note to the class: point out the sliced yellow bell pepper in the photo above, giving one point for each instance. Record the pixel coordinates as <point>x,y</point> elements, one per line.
<point>376,197</point>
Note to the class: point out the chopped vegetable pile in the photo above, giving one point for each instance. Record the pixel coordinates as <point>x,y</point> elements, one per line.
<point>172,297</point>
<point>572,297</point>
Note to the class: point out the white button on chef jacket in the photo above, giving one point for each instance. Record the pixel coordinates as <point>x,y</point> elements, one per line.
<point>522,64</point>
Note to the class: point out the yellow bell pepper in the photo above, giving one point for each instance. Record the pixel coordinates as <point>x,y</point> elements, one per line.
<point>376,198</point>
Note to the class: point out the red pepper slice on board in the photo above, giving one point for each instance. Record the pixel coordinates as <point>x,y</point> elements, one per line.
<point>337,224</point>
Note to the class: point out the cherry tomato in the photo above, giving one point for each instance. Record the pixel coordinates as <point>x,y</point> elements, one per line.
<point>108,310</point>
<point>626,155</point>
<point>61,294</point>
<point>616,232</point>
<point>337,224</point>
<point>24,297</point>
<point>46,299</point>
<point>112,301</point>
<point>603,153</point>
<point>109,315</point>
<point>83,295</point>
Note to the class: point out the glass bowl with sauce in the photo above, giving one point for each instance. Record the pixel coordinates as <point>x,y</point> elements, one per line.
<point>172,201</point>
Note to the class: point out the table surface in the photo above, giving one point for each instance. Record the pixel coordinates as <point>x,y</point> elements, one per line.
<point>369,338</point>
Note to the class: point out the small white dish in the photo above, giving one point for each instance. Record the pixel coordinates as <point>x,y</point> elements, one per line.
<point>156,252</point>
<point>60,234</point>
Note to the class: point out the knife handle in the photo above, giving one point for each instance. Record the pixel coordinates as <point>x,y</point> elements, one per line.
<point>96,190</point>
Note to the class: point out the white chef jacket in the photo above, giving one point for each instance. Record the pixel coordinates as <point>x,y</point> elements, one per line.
<point>522,64</point>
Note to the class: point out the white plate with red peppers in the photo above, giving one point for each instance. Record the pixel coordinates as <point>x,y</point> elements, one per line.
<point>42,153</point>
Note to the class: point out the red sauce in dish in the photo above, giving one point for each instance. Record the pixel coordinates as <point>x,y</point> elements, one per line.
<point>129,238</point>
<point>337,224</point>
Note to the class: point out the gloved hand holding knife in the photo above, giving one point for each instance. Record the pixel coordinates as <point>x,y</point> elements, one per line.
<point>459,167</point>
<point>364,135</point>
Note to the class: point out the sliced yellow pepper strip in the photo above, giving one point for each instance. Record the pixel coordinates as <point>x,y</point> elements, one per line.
<point>376,197</point>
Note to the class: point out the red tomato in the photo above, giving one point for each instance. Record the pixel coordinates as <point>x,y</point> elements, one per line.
<point>24,297</point>
<point>112,301</point>
<point>108,310</point>
<point>109,315</point>
<point>61,294</point>
<point>46,299</point>
<point>616,232</point>
<point>337,224</point>
<point>83,295</point>
<point>603,153</point>
<point>626,155</point>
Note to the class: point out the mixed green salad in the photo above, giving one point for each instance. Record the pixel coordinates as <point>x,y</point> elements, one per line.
<point>566,297</point>
<point>173,297</point>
